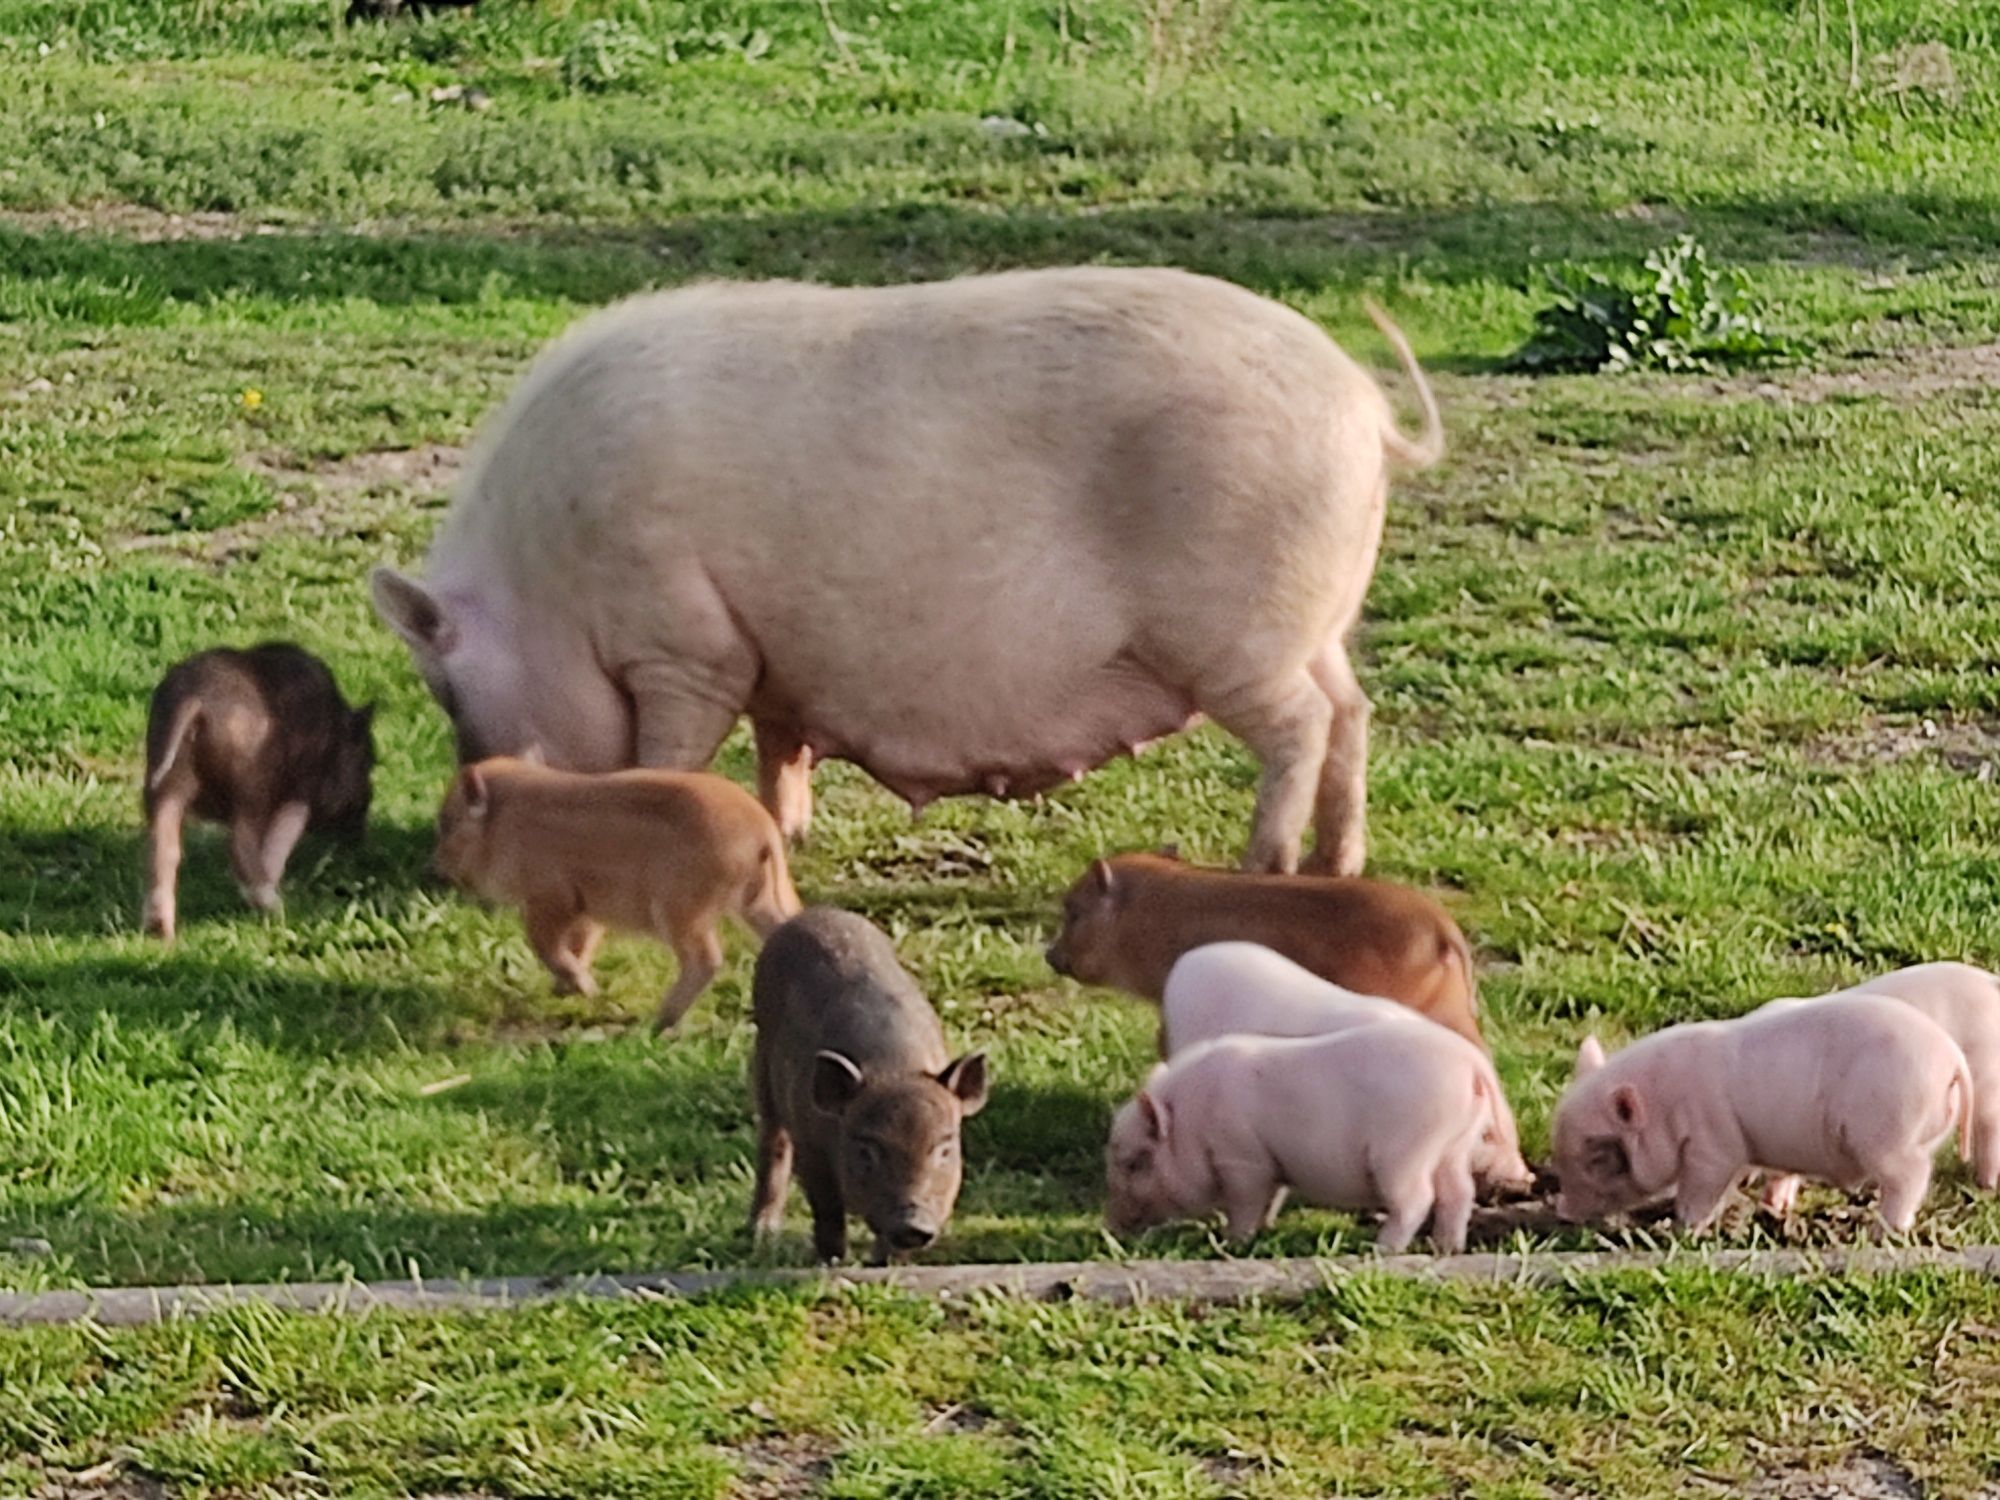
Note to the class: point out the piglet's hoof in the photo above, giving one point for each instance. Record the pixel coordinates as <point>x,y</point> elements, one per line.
<point>265,898</point>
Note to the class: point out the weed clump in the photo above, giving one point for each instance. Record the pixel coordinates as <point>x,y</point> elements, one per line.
<point>1686,316</point>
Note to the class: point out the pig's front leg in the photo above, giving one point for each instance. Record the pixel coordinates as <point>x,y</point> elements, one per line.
<point>774,1175</point>
<point>1248,1193</point>
<point>1703,1189</point>
<point>1781,1194</point>
<point>818,1176</point>
<point>246,861</point>
<point>549,923</point>
<point>784,779</point>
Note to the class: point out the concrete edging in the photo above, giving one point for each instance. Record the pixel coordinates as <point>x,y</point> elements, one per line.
<point>1119,1283</point>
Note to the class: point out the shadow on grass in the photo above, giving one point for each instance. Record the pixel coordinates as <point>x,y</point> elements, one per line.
<point>103,278</point>
<point>89,881</point>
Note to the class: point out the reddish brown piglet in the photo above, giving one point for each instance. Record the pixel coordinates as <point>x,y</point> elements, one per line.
<point>1127,919</point>
<point>258,739</point>
<point>666,853</point>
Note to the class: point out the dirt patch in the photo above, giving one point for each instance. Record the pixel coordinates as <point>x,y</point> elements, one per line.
<point>337,496</point>
<point>133,221</point>
<point>1906,377</point>
<point>107,1481</point>
<point>782,1468</point>
<point>1963,745</point>
<point>1860,1477</point>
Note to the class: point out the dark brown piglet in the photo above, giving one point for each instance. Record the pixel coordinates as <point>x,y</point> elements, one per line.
<point>258,739</point>
<point>853,1086</point>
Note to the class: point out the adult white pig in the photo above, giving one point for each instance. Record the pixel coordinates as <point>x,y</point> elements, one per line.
<point>975,536</point>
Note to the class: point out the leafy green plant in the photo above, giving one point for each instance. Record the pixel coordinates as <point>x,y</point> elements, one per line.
<point>607,55</point>
<point>1687,316</point>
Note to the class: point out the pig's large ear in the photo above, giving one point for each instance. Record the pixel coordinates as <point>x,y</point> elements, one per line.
<point>1589,1057</point>
<point>409,609</point>
<point>1100,877</point>
<point>1154,1114</point>
<point>966,1077</point>
<point>1625,1105</point>
<point>478,795</point>
<point>835,1082</point>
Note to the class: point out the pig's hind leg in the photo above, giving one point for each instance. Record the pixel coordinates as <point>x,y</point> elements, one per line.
<point>1453,1186</point>
<point>699,948</point>
<point>784,779</point>
<point>1340,812</point>
<point>1408,1194</point>
<point>1904,1182</point>
<point>1985,1143</point>
<point>163,864</point>
<point>1287,731</point>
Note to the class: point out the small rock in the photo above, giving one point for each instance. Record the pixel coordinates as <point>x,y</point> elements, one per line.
<point>1003,128</point>
<point>30,1247</point>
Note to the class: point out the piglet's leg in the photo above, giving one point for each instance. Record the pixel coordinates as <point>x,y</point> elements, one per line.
<point>549,924</point>
<point>580,942</point>
<point>163,864</point>
<point>1703,1188</point>
<point>1407,1193</point>
<point>1781,1194</point>
<point>281,837</point>
<point>699,949</point>
<point>1904,1183</point>
<point>784,780</point>
<point>1986,1145</point>
<point>1246,1200</point>
<point>774,1175</point>
<point>1454,1189</point>
<point>246,861</point>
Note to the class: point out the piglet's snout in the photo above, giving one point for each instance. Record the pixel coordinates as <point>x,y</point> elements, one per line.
<point>912,1230</point>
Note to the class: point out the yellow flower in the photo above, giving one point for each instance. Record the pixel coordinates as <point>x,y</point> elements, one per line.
<point>252,398</point>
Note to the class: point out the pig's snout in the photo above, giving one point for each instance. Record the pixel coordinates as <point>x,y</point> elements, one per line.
<point>908,1228</point>
<point>1057,959</point>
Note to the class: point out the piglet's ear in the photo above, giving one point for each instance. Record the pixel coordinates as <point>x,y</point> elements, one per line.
<point>1100,877</point>
<point>1626,1107</point>
<point>966,1077</point>
<point>1154,1114</point>
<point>409,609</point>
<point>1589,1057</point>
<point>835,1082</point>
<point>478,795</point>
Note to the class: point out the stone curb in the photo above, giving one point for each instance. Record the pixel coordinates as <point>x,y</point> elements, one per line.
<point>1114,1282</point>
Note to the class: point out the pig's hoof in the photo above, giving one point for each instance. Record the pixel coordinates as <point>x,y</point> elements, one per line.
<point>264,898</point>
<point>576,984</point>
<point>159,924</point>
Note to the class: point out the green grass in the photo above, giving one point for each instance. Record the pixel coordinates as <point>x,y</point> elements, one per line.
<point>1650,658</point>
